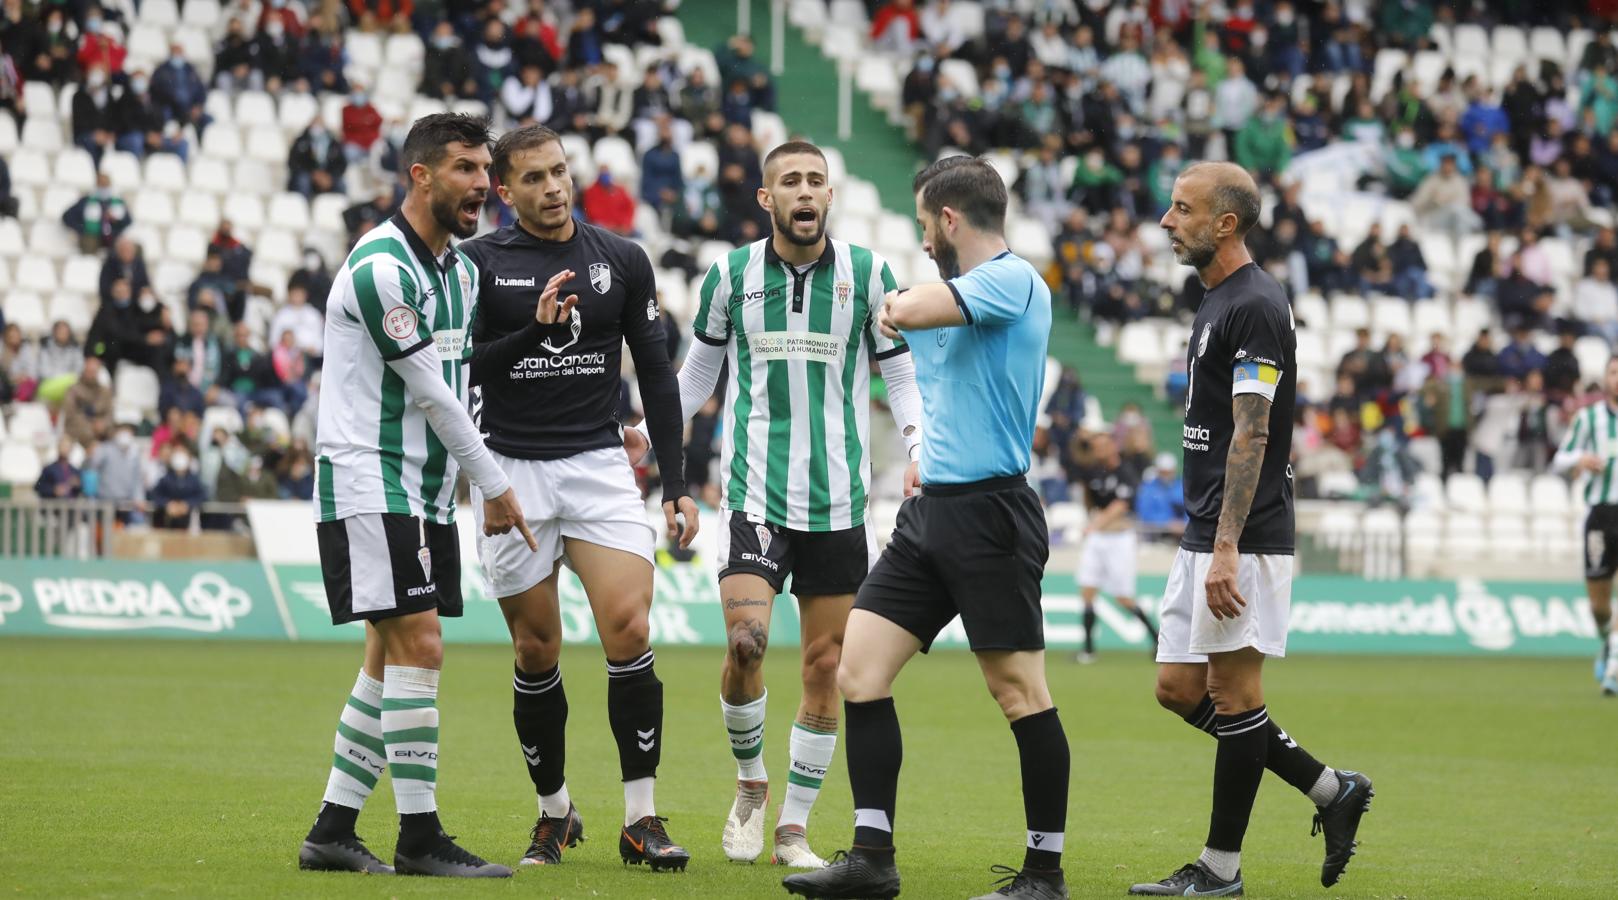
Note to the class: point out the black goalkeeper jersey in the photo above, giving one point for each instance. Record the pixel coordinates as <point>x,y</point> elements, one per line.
<point>1243,329</point>
<point>552,391</point>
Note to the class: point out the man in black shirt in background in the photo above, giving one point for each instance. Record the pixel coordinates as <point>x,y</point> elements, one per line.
<point>545,373</point>
<point>1229,593</point>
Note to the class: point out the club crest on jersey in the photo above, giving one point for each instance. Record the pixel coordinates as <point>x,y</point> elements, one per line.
<point>601,277</point>
<point>844,291</point>
<point>575,327</point>
<point>651,309</point>
<point>763,539</point>
<point>1202,344</point>
<point>399,322</point>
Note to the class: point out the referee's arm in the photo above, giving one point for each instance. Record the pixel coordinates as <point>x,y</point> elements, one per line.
<point>922,307</point>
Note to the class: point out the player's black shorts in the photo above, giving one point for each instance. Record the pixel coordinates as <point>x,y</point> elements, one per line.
<point>977,550</point>
<point>381,565</point>
<point>1601,542</point>
<point>821,563</point>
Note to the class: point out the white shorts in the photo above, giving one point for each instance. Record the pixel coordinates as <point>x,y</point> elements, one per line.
<point>1188,631</point>
<point>590,496</point>
<point>1107,563</point>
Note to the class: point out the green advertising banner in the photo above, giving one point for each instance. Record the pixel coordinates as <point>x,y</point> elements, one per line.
<point>1330,613</point>
<point>120,599</point>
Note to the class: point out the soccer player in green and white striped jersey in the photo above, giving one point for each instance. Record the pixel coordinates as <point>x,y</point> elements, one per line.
<point>795,318</point>
<point>393,431</point>
<point>1590,450</point>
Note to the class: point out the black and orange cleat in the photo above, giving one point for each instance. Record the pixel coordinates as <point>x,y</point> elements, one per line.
<point>551,836</point>
<point>647,841</point>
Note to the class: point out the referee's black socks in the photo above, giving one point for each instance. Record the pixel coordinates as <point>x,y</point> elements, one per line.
<point>875,752</point>
<point>1290,762</point>
<point>1238,768</point>
<point>1042,750</point>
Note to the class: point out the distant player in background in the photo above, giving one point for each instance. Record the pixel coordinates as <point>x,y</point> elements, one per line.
<point>972,543</point>
<point>390,439</point>
<point>796,317</point>
<point>1229,593</point>
<point>1590,450</point>
<point>1107,561</point>
<point>549,411</point>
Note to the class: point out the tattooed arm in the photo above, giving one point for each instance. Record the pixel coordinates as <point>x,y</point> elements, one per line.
<point>1251,413</point>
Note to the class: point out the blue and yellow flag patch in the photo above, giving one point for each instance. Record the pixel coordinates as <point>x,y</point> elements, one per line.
<point>1250,370</point>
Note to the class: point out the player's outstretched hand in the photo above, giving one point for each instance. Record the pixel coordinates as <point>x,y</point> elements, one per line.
<point>687,532</point>
<point>1591,463</point>
<point>912,479</point>
<point>503,513</point>
<point>636,444</point>
<point>549,312</point>
<point>1224,600</point>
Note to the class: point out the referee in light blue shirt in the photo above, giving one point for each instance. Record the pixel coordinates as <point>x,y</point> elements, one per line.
<point>973,543</point>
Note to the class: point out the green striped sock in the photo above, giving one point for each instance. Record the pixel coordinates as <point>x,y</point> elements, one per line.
<point>358,757</point>
<point>410,730</point>
<point>745,723</point>
<point>811,753</point>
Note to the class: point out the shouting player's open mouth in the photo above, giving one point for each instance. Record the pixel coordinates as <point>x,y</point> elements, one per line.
<point>805,217</point>
<point>471,208</point>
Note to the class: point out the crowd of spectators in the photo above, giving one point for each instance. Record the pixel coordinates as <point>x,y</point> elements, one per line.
<point>1107,102</point>
<point>258,386</point>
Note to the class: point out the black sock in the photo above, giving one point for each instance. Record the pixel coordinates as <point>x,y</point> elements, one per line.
<point>539,709</point>
<point>418,832</point>
<point>1089,629</point>
<point>334,823</point>
<point>1238,768</point>
<point>1145,620</point>
<point>635,710</point>
<point>1042,750</point>
<point>875,752</point>
<point>1284,757</point>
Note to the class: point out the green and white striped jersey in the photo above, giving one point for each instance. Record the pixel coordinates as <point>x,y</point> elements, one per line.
<point>376,453</point>
<point>1595,431</point>
<point>797,413</point>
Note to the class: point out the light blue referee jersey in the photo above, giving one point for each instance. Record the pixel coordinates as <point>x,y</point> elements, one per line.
<point>981,382</point>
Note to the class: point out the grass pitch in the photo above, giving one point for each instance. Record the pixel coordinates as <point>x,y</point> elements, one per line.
<point>193,769</point>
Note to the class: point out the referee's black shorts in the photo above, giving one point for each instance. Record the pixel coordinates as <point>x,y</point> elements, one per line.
<point>1601,542</point>
<point>975,550</point>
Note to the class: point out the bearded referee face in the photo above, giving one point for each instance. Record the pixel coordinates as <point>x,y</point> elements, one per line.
<point>1193,229</point>
<point>456,187</point>
<point>539,187</point>
<point>797,193</point>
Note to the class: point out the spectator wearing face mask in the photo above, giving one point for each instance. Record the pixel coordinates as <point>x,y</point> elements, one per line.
<point>446,72</point>
<point>276,57</point>
<point>60,480</point>
<point>95,122</point>
<point>87,407</point>
<point>362,124</point>
<point>120,474</point>
<point>98,48</point>
<point>123,330</point>
<point>608,204</point>
<point>178,494</point>
<point>316,162</point>
<point>98,218</point>
<point>313,278</point>
<point>178,90</point>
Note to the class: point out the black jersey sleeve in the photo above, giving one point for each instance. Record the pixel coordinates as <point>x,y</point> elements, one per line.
<point>491,354</point>
<point>659,388</point>
<point>1257,337</point>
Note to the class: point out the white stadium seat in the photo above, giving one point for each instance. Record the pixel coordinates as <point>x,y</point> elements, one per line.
<point>172,277</point>
<point>1465,493</point>
<point>278,247</point>
<point>153,206</point>
<point>1508,494</point>
<point>48,238</point>
<point>160,13</point>
<point>147,45</point>
<point>210,175</point>
<point>197,48</point>
<point>222,141</point>
<point>619,157</point>
<point>258,177</point>
<point>30,422</point>
<point>75,170</point>
<point>202,16</point>
<point>1549,494</point>
<point>245,211</point>
<point>135,389</point>
<point>404,51</point>
<point>326,213</point>
<point>55,200</point>
<point>123,170</point>
<point>219,107</point>
<point>164,172</point>
<point>42,133</point>
<point>1348,312</point>
<point>296,112</point>
<point>19,463</point>
<point>255,108</point>
<point>73,309</point>
<point>266,144</point>
<point>39,95</point>
<point>9,139</point>
<point>82,274</point>
<point>30,167</point>
<point>364,51</point>
<point>11,238</point>
<point>199,210</point>
<point>289,211</point>
<point>25,310</point>
<point>188,245</point>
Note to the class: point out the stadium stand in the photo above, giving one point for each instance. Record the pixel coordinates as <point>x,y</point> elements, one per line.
<point>241,149</point>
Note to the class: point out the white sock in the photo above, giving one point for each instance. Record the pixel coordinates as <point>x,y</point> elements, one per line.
<point>410,731</point>
<point>555,805</point>
<point>359,757</point>
<point>1326,787</point>
<point>638,800</point>
<point>810,752</point>
<point>1223,863</point>
<point>745,723</point>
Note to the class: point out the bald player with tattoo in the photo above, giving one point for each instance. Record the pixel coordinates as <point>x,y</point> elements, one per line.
<point>1229,592</point>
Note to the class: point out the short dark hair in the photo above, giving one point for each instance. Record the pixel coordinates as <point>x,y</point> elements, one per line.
<point>1231,194</point>
<point>967,185</point>
<point>517,140</point>
<point>791,148</point>
<point>429,138</point>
